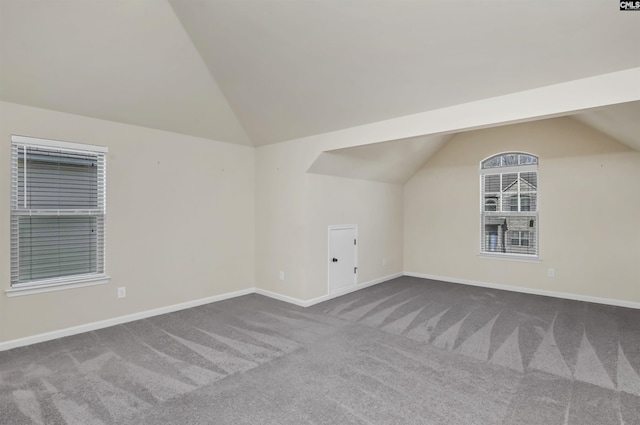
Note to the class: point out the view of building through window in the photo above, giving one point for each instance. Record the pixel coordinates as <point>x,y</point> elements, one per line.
<point>509,218</point>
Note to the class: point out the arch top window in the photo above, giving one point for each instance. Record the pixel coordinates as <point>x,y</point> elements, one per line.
<point>509,204</point>
<point>511,159</point>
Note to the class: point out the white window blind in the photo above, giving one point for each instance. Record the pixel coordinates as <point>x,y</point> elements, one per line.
<point>57,211</point>
<point>509,204</point>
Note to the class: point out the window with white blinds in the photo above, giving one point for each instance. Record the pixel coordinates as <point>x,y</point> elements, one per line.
<point>57,212</point>
<point>509,204</point>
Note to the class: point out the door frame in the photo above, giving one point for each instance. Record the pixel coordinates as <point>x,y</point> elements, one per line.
<point>355,275</point>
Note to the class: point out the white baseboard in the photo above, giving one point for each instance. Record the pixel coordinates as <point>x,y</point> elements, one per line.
<point>88,327</point>
<point>15,343</point>
<point>21,342</point>
<point>353,288</point>
<point>322,298</point>
<point>524,290</point>
<point>280,297</point>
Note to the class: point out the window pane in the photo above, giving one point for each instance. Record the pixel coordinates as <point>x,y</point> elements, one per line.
<point>56,181</point>
<point>528,182</point>
<point>492,183</point>
<point>508,181</point>
<point>492,238</point>
<point>521,235</point>
<point>69,240</point>
<point>525,203</point>
<point>529,202</point>
<point>527,159</point>
<point>492,162</point>
<point>513,203</point>
<point>509,160</point>
<point>515,195</point>
<point>56,246</point>
<point>491,204</point>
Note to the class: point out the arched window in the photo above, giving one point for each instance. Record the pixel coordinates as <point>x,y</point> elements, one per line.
<point>509,193</point>
<point>491,204</point>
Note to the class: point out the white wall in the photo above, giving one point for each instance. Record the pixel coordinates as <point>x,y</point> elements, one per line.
<point>588,201</point>
<point>180,221</point>
<point>294,209</point>
<point>288,237</point>
<point>250,213</point>
<point>377,210</point>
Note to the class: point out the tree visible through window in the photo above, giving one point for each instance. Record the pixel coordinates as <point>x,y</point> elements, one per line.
<point>57,212</point>
<point>509,191</point>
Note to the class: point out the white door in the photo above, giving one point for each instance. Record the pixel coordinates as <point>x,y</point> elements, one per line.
<point>343,258</point>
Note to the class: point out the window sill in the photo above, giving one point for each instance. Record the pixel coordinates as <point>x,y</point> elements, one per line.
<point>50,286</point>
<point>512,257</point>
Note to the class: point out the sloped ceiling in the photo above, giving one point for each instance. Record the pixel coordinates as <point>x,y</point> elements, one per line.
<point>621,122</point>
<point>388,162</point>
<point>263,71</point>
<point>297,68</point>
<point>126,61</point>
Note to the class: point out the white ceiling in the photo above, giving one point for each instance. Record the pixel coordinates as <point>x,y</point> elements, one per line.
<point>396,161</point>
<point>296,68</point>
<point>621,122</point>
<point>127,61</point>
<point>388,162</point>
<point>263,71</point>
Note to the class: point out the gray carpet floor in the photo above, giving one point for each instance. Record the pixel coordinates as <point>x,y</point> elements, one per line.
<point>409,351</point>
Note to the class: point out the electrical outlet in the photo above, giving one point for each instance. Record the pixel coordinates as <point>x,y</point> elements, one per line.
<point>281,275</point>
<point>384,262</point>
<point>122,292</point>
<point>551,272</point>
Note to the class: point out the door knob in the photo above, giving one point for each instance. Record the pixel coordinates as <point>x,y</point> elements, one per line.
<point>335,260</point>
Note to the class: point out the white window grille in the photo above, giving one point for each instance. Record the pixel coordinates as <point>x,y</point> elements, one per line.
<point>509,204</point>
<point>58,211</point>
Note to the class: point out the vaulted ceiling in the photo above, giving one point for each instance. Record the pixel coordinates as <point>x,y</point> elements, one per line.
<point>255,72</point>
<point>621,122</point>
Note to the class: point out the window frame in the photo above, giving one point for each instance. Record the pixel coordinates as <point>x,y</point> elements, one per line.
<point>520,238</point>
<point>64,281</point>
<point>520,167</point>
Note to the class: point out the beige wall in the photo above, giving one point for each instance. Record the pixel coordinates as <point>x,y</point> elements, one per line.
<point>190,218</point>
<point>180,221</point>
<point>184,218</point>
<point>377,210</point>
<point>294,209</point>
<point>589,203</point>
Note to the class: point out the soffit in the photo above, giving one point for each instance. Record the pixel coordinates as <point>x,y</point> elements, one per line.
<point>388,162</point>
